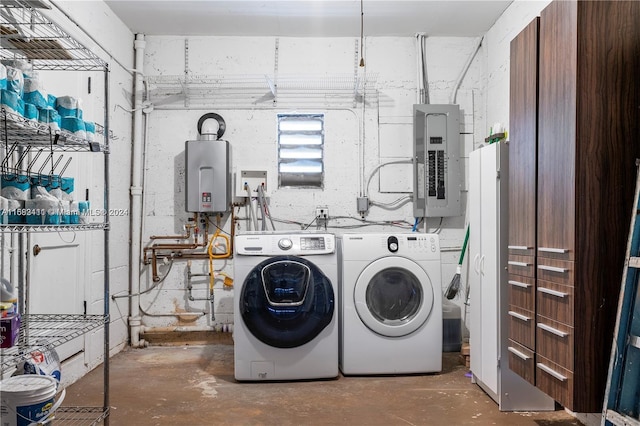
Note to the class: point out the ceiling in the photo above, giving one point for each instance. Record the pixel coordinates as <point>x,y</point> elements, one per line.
<point>309,18</point>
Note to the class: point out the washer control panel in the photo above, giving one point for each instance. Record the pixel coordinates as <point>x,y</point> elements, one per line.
<point>272,244</point>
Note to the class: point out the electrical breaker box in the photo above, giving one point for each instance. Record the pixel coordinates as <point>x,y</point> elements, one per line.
<point>207,176</point>
<point>436,150</point>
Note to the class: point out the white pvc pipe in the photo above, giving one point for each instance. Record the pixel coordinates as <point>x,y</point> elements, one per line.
<point>135,321</point>
<point>419,73</point>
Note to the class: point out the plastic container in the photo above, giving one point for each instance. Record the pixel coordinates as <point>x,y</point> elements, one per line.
<point>451,327</point>
<point>8,292</point>
<point>27,399</point>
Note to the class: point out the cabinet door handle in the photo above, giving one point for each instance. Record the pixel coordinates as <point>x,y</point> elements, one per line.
<point>482,264</point>
<point>519,284</point>
<point>552,292</point>
<point>518,353</point>
<point>476,266</point>
<point>552,330</point>
<point>553,269</point>
<point>519,316</point>
<point>514,263</point>
<point>553,250</point>
<point>519,247</point>
<point>554,373</point>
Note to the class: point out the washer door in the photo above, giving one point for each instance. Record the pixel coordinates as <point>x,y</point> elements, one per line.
<point>393,296</point>
<point>286,301</point>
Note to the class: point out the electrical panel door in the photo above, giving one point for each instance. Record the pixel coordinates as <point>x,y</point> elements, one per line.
<point>436,188</point>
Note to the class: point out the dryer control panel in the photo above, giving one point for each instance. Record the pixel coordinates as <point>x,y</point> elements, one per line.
<point>423,243</point>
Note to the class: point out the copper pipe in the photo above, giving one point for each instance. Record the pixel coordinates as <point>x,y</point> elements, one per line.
<point>154,267</point>
<point>176,250</point>
<point>155,247</point>
<point>188,228</point>
<point>176,246</point>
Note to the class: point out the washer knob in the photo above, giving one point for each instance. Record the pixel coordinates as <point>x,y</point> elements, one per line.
<point>285,244</point>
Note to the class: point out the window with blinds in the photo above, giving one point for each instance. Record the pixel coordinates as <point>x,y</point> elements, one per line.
<point>300,150</point>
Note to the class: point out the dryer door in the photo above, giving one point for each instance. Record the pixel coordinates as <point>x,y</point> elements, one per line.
<point>393,296</point>
<point>286,301</point>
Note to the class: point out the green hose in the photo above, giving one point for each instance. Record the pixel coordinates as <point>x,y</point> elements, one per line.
<point>464,246</point>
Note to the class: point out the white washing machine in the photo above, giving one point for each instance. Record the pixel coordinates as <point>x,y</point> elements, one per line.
<point>390,304</point>
<point>285,306</point>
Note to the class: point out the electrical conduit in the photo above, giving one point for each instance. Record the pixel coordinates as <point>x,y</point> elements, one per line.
<point>135,321</point>
<point>454,92</point>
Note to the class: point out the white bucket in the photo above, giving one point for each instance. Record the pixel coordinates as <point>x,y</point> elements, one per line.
<point>27,399</point>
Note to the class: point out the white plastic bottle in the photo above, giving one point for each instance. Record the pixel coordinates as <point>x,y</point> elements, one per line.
<point>8,293</point>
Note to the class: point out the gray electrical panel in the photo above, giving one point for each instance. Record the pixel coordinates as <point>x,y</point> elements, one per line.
<point>207,176</point>
<point>436,151</point>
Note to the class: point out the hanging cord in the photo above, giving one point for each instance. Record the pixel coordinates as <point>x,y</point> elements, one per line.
<point>361,32</point>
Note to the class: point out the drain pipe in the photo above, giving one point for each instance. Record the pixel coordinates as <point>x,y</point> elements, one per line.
<point>135,321</point>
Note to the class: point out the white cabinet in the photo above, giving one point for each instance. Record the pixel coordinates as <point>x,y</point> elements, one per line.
<point>488,223</point>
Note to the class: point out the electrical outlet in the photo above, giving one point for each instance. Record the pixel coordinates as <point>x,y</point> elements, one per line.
<point>322,212</point>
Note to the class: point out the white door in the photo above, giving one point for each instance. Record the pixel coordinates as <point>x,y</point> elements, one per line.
<point>474,256</point>
<point>488,264</point>
<point>483,276</point>
<point>59,267</point>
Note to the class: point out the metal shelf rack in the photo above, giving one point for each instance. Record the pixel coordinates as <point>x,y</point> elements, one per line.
<point>53,228</point>
<point>19,130</point>
<point>45,331</point>
<point>27,33</point>
<point>261,91</point>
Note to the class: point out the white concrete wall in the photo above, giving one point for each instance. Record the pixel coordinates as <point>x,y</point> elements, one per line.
<point>387,128</point>
<point>498,39</point>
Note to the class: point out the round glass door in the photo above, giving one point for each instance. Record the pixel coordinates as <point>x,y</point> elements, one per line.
<point>393,296</point>
<point>286,301</point>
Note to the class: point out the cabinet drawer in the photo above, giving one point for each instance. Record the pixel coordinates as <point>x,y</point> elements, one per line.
<point>555,301</point>
<point>522,326</point>
<point>557,271</point>
<point>555,381</point>
<point>554,341</point>
<point>521,265</point>
<point>521,292</point>
<point>521,361</point>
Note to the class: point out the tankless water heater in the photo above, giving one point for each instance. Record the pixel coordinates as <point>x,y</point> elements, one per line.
<point>207,176</point>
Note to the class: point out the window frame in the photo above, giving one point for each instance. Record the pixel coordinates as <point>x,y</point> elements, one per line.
<point>301,179</point>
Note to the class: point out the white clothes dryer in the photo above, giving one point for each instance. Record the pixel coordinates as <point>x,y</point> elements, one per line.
<point>285,306</point>
<point>390,304</point>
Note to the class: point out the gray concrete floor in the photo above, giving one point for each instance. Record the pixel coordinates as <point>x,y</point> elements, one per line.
<point>194,385</point>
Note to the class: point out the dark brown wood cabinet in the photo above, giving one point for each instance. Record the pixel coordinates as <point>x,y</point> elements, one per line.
<point>523,145</point>
<point>588,139</point>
